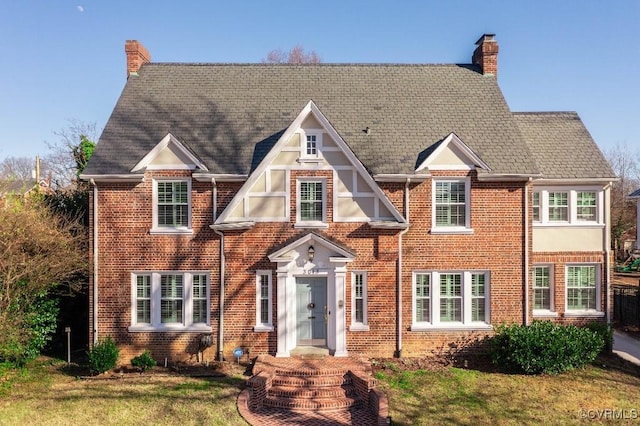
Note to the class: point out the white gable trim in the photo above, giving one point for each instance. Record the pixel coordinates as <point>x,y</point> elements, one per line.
<point>312,238</point>
<point>473,161</point>
<point>146,161</point>
<point>310,108</point>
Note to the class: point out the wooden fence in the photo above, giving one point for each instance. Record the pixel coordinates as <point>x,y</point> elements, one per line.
<point>626,305</point>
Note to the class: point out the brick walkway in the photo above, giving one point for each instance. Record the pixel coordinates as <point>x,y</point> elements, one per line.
<point>313,369</point>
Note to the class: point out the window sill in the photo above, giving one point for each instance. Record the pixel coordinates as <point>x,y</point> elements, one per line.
<point>171,231</point>
<point>315,225</point>
<point>312,160</point>
<point>452,327</point>
<point>543,313</point>
<point>581,225</point>
<point>147,328</point>
<point>452,230</point>
<point>263,328</point>
<point>574,314</point>
<point>358,327</point>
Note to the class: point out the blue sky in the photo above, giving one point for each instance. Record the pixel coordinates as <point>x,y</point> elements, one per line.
<point>62,59</point>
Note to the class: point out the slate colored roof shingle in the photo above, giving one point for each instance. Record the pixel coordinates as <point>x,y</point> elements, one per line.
<point>635,194</point>
<point>230,115</point>
<point>561,146</point>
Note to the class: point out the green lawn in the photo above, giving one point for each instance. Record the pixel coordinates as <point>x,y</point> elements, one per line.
<point>46,393</point>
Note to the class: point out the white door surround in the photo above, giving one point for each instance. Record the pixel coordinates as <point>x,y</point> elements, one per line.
<point>329,261</point>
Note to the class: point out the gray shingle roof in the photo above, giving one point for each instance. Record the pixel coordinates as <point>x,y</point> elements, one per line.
<point>230,115</point>
<point>635,194</point>
<point>561,146</point>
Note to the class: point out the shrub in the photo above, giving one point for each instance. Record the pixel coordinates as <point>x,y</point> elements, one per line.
<point>544,347</point>
<point>144,361</point>
<point>605,331</point>
<point>103,356</point>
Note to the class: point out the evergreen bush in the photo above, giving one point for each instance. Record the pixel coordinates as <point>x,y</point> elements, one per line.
<point>144,361</point>
<point>103,356</point>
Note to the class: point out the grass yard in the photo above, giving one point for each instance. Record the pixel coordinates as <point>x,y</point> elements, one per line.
<point>46,393</point>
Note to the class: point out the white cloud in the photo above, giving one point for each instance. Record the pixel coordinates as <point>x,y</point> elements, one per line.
<point>80,8</point>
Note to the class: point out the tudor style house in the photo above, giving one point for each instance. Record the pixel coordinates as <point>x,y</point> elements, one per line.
<point>384,209</point>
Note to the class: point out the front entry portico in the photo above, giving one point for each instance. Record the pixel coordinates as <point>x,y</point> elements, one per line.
<point>311,295</point>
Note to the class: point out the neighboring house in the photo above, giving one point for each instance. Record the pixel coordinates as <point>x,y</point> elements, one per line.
<point>636,195</point>
<point>385,209</point>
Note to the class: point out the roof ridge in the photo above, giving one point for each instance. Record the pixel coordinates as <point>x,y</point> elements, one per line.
<point>332,64</point>
<point>543,112</point>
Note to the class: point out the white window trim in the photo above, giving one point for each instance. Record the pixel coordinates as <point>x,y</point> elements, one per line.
<point>170,229</point>
<point>572,214</point>
<point>597,312</point>
<point>260,326</point>
<point>312,158</point>
<point>156,325</point>
<point>434,300</point>
<point>314,223</point>
<point>364,325</point>
<point>435,229</point>
<point>551,312</point>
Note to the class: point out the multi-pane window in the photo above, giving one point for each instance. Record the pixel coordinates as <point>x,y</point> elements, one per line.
<point>171,293</point>
<point>263,301</point>
<point>450,204</point>
<point>170,300</point>
<point>542,288</point>
<point>200,298</point>
<point>311,201</point>
<point>143,299</point>
<point>478,297</point>
<point>422,299</point>
<point>359,300</point>
<point>558,207</point>
<point>536,207</point>
<point>586,206</point>
<point>581,287</point>
<point>172,204</point>
<point>450,298</point>
<point>312,145</point>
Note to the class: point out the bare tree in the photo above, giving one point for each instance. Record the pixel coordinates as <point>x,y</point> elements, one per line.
<point>17,169</point>
<point>626,165</point>
<point>62,157</point>
<point>296,55</point>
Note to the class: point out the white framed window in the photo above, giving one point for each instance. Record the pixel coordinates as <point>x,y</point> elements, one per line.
<point>311,202</point>
<point>562,206</point>
<point>582,289</point>
<point>170,300</point>
<point>310,143</point>
<point>536,207</point>
<point>542,289</point>
<point>264,301</point>
<point>171,206</point>
<point>451,206</point>
<point>359,301</point>
<point>453,299</point>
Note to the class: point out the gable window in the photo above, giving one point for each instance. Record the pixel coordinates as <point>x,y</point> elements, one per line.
<point>581,288</point>
<point>170,300</point>
<point>264,299</point>
<point>558,207</point>
<point>171,206</point>
<point>536,206</point>
<point>586,206</point>
<point>359,301</point>
<point>311,202</point>
<point>542,289</point>
<point>312,146</point>
<point>311,142</point>
<point>451,205</point>
<point>450,299</point>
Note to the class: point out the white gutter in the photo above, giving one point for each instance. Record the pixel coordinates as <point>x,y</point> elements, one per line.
<point>129,177</point>
<point>95,261</point>
<point>220,177</point>
<point>526,252</point>
<point>220,356</point>
<point>607,249</point>
<point>418,177</point>
<point>399,282</point>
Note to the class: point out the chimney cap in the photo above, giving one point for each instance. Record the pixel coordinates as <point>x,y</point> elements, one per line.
<point>486,38</point>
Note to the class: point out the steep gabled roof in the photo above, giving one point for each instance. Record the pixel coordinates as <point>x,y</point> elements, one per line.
<point>635,194</point>
<point>562,147</point>
<point>230,115</point>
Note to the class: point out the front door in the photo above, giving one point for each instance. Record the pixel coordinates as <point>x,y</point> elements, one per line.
<point>311,311</point>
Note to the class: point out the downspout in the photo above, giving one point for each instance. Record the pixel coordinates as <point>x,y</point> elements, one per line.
<point>607,249</point>
<point>220,356</point>
<point>526,252</point>
<point>399,278</point>
<point>95,261</point>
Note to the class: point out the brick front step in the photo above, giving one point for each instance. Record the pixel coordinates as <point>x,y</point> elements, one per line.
<point>321,404</point>
<point>311,381</point>
<point>312,372</point>
<point>311,393</point>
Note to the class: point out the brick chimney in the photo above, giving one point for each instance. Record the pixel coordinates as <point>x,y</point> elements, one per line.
<point>137,55</point>
<point>486,55</point>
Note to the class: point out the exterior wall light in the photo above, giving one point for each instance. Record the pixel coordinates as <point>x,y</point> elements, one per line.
<point>311,253</point>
